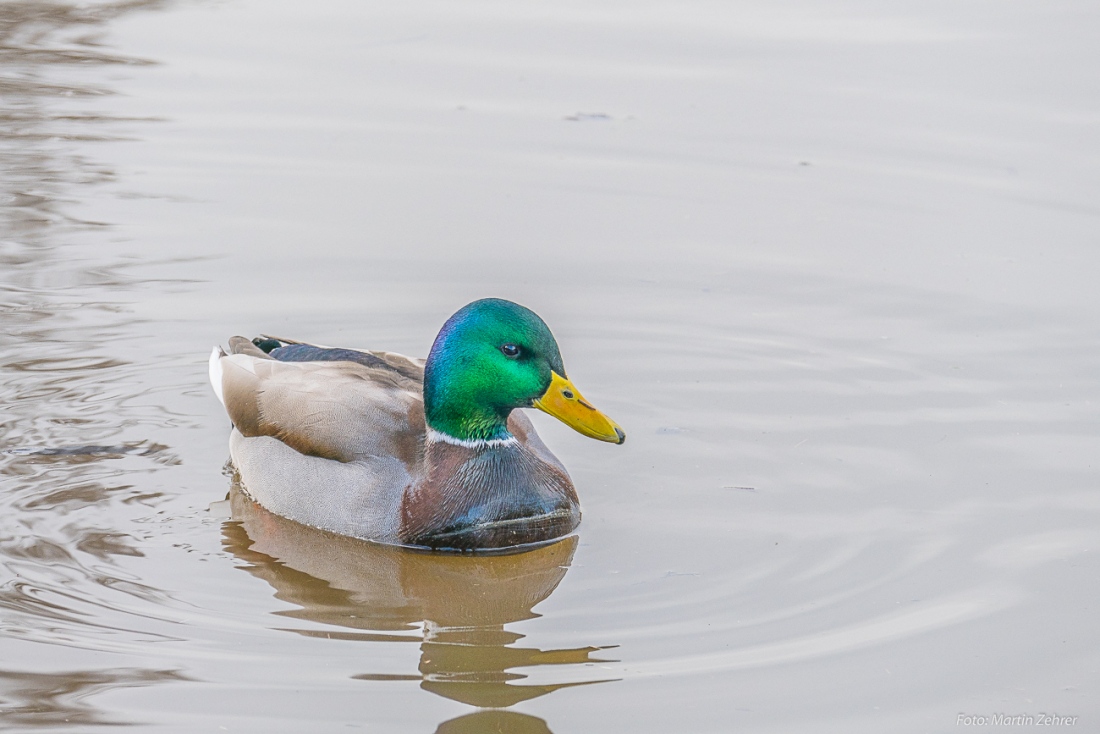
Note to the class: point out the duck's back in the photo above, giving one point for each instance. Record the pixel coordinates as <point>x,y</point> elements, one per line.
<point>330,442</point>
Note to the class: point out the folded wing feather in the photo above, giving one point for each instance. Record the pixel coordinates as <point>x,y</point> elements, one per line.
<point>334,410</point>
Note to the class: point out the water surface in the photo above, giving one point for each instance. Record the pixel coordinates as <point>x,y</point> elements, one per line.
<point>831,268</point>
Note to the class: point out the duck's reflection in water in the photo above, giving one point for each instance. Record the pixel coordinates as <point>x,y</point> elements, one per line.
<point>462,604</point>
<point>483,722</point>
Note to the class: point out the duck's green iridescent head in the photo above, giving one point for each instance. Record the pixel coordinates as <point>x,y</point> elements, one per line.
<point>491,357</point>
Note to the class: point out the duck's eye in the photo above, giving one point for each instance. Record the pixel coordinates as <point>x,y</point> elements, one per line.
<point>510,350</point>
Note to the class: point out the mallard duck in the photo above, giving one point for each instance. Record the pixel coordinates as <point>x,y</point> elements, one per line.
<point>427,453</point>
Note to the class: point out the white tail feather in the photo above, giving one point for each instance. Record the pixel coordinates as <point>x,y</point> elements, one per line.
<point>216,373</point>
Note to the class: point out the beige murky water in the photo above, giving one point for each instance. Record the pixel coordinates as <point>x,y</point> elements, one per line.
<point>832,267</point>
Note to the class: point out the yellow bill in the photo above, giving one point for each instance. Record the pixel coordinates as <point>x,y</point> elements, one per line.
<point>564,402</point>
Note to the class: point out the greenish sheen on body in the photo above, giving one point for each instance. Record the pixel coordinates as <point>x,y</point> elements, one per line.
<point>472,383</point>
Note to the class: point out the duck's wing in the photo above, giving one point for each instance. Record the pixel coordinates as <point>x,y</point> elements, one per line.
<point>288,350</point>
<point>342,409</point>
